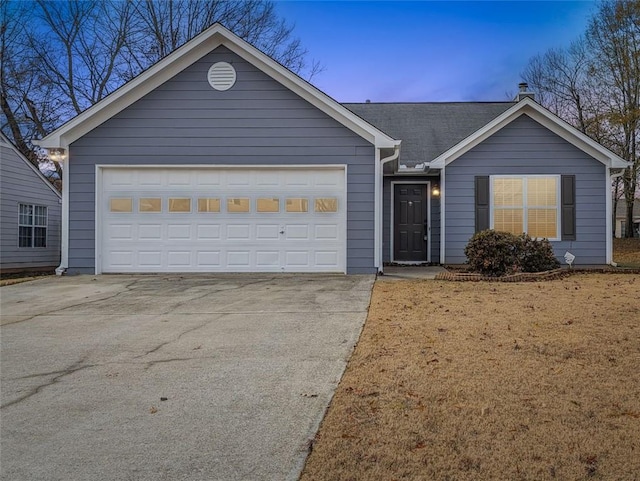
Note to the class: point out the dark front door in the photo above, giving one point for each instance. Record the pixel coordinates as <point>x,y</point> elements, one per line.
<point>410,223</point>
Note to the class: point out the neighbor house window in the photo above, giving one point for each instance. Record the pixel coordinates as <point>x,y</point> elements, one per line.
<point>526,204</point>
<point>32,226</point>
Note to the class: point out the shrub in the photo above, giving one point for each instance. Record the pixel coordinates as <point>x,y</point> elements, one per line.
<point>494,253</point>
<point>536,255</point>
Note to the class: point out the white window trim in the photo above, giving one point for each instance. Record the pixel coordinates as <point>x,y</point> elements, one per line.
<point>33,225</point>
<point>525,206</point>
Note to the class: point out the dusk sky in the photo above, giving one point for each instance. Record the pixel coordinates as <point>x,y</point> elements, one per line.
<point>429,51</point>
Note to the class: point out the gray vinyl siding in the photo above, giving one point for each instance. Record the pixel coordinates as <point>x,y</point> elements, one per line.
<point>257,122</point>
<point>386,213</point>
<point>20,184</point>
<point>525,147</point>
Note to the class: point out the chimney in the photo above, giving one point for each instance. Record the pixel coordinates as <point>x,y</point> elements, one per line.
<point>524,92</point>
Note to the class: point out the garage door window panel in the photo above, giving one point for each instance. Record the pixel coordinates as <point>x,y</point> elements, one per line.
<point>150,204</point>
<point>268,205</point>
<point>296,204</point>
<point>121,205</point>
<point>326,204</point>
<point>181,205</point>
<point>208,205</point>
<point>238,205</point>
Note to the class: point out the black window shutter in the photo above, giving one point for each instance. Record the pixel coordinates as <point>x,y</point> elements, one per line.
<point>482,202</point>
<point>568,187</point>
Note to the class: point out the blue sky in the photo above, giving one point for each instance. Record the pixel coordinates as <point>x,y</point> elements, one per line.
<point>397,51</point>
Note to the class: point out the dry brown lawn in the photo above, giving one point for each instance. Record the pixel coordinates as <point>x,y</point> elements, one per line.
<point>626,252</point>
<point>490,381</point>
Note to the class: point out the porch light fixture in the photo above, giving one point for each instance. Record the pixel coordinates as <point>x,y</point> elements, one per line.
<point>435,191</point>
<point>57,155</point>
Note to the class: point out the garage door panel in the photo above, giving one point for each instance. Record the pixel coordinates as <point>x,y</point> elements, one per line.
<point>297,259</point>
<point>238,258</point>
<point>297,231</point>
<point>267,259</point>
<point>120,232</point>
<point>150,232</point>
<point>208,231</point>
<point>236,219</point>
<point>326,258</point>
<point>267,232</point>
<point>326,231</point>
<point>208,258</point>
<point>180,259</point>
<point>239,232</point>
<point>149,179</point>
<point>178,231</point>
<point>150,259</point>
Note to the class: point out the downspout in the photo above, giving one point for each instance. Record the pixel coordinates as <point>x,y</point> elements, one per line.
<point>610,215</point>
<point>64,241</point>
<point>379,202</point>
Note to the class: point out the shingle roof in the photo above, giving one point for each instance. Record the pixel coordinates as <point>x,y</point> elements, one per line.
<point>428,129</point>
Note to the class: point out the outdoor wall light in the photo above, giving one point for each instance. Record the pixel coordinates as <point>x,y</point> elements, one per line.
<point>57,155</point>
<point>435,191</point>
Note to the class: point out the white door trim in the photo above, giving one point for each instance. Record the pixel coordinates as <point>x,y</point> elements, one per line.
<point>392,225</point>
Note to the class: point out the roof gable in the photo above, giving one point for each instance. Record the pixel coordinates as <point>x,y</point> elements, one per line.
<point>5,142</point>
<point>544,117</point>
<point>185,56</point>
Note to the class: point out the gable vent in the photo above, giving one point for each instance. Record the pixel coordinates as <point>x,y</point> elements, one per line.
<point>221,76</point>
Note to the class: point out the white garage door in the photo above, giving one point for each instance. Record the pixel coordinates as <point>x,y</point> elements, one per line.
<point>222,220</point>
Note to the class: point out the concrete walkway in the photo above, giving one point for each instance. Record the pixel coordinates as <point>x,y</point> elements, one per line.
<point>399,273</point>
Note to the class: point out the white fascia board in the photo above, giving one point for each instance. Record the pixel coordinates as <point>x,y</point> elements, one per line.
<point>545,118</point>
<point>185,56</point>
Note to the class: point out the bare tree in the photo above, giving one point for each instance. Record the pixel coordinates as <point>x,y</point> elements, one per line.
<point>59,58</point>
<point>613,36</point>
<point>595,85</point>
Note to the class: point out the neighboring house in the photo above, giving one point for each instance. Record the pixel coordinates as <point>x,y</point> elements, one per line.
<point>30,213</point>
<point>219,159</point>
<point>621,218</point>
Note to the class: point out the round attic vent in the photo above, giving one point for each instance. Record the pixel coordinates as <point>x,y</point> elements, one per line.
<point>221,76</point>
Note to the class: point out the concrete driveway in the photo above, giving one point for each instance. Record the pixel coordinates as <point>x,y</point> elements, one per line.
<point>171,377</point>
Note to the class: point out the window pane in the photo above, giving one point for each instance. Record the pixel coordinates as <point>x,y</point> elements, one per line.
<point>150,205</point>
<point>179,205</point>
<point>268,205</point>
<point>208,205</point>
<point>40,216</point>
<point>326,204</point>
<point>542,191</point>
<point>121,205</point>
<point>24,236</point>
<point>542,223</point>
<point>508,220</point>
<point>507,192</point>
<point>26,215</point>
<point>297,205</point>
<point>40,237</point>
<point>238,205</point>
